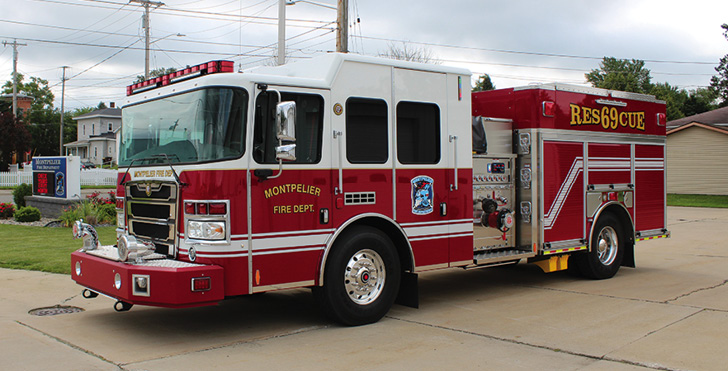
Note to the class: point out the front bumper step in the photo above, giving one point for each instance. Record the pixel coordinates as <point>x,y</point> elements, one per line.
<point>164,282</point>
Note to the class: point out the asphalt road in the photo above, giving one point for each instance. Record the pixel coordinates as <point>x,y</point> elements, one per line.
<point>671,313</point>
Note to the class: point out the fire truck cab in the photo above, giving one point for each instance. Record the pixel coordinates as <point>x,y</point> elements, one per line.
<point>351,174</point>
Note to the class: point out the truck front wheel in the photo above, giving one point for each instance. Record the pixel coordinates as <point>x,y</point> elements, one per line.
<point>607,249</point>
<point>361,277</point>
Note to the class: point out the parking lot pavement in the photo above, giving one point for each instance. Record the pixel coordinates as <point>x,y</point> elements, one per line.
<point>669,313</point>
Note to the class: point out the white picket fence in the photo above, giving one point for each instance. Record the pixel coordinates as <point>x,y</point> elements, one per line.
<point>90,177</point>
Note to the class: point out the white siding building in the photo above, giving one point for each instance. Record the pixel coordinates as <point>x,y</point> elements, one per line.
<point>96,136</point>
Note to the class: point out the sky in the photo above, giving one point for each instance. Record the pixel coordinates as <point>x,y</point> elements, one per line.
<point>516,42</point>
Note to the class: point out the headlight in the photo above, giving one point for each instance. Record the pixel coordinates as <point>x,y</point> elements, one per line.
<point>201,230</point>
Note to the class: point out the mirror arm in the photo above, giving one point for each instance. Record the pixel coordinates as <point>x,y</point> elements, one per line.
<point>280,170</point>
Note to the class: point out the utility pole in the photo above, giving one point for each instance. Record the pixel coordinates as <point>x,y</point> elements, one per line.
<point>146,4</point>
<point>63,96</point>
<point>15,74</point>
<point>342,26</point>
<point>281,32</point>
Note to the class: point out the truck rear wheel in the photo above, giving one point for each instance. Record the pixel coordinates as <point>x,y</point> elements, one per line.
<point>361,277</point>
<point>607,249</point>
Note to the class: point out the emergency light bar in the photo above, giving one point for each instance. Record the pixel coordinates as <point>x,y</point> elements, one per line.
<point>181,75</point>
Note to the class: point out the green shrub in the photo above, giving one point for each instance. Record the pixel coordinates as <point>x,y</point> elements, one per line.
<point>27,214</point>
<point>106,213</point>
<point>91,213</point>
<point>6,210</point>
<point>20,192</point>
<point>84,210</point>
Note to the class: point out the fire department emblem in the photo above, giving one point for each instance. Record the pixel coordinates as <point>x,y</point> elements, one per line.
<point>148,189</point>
<point>422,195</point>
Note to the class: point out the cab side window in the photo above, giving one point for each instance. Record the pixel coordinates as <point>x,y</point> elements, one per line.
<point>366,131</point>
<point>309,127</point>
<point>418,133</point>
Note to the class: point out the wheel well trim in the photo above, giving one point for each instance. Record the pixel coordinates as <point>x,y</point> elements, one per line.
<point>609,205</point>
<point>344,226</point>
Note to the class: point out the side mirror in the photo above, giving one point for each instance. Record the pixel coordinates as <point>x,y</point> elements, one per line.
<point>286,121</point>
<point>286,152</point>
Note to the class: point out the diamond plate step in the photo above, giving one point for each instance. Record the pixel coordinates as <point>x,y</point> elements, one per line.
<point>502,255</point>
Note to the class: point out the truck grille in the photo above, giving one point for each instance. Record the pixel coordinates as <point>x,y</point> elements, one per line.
<point>152,213</point>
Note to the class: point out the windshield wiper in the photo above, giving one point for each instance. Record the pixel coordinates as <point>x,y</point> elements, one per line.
<point>155,157</point>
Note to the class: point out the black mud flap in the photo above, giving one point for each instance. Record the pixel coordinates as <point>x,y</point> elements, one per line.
<point>408,291</point>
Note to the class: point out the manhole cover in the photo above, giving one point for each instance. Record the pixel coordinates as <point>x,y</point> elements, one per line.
<point>52,311</point>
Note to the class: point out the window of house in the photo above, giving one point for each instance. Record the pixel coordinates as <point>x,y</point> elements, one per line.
<point>366,131</point>
<point>418,133</point>
<point>93,129</point>
<point>111,127</point>
<point>96,152</point>
<point>84,129</point>
<point>309,127</point>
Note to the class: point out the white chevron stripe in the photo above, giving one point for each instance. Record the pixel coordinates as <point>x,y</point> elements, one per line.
<point>576,167</point>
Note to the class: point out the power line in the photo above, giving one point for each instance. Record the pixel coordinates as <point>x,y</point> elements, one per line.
<point>186,13</point>
<point>521,52</point>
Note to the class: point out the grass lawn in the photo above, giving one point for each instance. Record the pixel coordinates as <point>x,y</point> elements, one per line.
<point>697,200</point>
<point>43,249</point>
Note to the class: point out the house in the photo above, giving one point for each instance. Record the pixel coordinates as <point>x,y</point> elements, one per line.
<point>697,147</point>
<point>24,103</point>
<point>96,136</point>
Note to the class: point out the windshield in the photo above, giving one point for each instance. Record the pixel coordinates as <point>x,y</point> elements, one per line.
<point>198,126</point>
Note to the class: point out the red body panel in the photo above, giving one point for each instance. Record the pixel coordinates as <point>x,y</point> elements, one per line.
<point>649,187</point>
<point>563,191</point>
<point>609,163</point>
<point>288,234</point>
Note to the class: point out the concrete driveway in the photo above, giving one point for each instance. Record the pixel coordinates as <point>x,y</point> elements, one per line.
<point>669,313</point>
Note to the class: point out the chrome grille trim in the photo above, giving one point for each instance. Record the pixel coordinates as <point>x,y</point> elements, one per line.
<point>152,213</point>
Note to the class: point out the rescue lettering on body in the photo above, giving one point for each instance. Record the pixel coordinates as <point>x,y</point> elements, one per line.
<point>607,117</point>
<point>284,189</point>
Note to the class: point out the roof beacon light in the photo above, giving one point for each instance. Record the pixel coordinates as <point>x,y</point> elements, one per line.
<point>181,75</point>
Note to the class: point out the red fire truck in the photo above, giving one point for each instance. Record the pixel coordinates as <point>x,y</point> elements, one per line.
<point>350,175</point>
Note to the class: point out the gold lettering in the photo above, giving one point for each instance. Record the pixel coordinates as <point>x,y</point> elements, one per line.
<point>291,188</point>
<point>641,121</point>
<point>575,114</point>
<point>605,117</point>
<point>587,115</point>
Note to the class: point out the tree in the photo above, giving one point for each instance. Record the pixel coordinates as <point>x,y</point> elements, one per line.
<point>407,52</point>
<point>14,139</point>
<point>699,101</point>
<point>157,72</point>
<point>484,83</point>
<point>674,99</point>
<point>36,88</point>
<point>101,105</point>
<point>719,83</point>
<point>621,74</point>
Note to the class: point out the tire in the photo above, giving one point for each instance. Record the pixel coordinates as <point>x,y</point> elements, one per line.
<point>607,249</point>
<point>361,277</point>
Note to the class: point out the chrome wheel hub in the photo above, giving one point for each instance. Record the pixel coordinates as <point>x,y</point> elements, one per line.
<point>364,276</point>
<point>607,245</point>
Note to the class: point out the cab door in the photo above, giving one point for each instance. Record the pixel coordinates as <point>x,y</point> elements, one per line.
<point>289,208</point>
<point>422,151</point>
